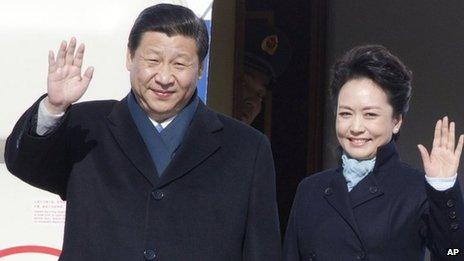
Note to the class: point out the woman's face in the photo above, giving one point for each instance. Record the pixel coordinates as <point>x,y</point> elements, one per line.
<point>364,118</point>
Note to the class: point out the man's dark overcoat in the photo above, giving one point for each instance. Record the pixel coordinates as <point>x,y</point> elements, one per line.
<point>215,201</point>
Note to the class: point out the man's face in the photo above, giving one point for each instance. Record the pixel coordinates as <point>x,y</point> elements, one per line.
<point>253,92</point>
<point>163,73</point>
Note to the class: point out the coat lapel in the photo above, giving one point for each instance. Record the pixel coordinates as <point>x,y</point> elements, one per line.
<point>201,140</point>
<point>368,189</point>
<point>336,194</point>
<point>126,134</point>
<point>371,186</point>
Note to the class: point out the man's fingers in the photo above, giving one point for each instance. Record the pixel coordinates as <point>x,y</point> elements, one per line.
<point>424,155</point>
<point>444,132</point>
<point>70,51</point>
<point>61,56</point>
<point>451,138</point>
<point>87,76</point>
<point>79,56</point>
<point>51,62</point>
<point>458,150</point>
<point>437,135</point>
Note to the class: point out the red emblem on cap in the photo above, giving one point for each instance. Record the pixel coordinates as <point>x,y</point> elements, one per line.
<point>270,44</point>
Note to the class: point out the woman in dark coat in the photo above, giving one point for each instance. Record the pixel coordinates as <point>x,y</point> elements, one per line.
<point>374,206</point>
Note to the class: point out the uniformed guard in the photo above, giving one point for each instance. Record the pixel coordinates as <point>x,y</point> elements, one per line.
<point>267,55</point>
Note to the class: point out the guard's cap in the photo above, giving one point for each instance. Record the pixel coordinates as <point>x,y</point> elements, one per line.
<point>267,49</point>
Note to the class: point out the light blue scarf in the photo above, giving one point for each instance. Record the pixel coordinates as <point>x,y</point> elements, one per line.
<point>355,170</point>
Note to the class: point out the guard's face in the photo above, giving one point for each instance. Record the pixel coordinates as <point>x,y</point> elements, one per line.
<point>364,118</point>
<point>253,92</point>
<point>163,73</point>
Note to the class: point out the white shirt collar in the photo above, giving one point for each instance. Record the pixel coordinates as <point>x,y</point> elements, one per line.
<point>161,126</point>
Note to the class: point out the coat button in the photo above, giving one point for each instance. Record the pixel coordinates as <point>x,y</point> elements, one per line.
<point>452,215</point>
<point>373,189</point>
<point>454,226</point>
<point>328,191</point>
<point>149,254</point>
<point>450,203</point>
<point>158,194</point>
<point>360,256</point>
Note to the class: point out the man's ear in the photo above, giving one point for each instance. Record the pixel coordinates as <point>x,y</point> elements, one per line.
<point>128,60</point>
<point>200,70</point>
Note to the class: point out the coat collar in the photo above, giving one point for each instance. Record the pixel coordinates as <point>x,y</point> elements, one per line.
<point>337,195</point>
<point>386,156</point>
<point>131,142</point>
<point>201,140</point>
<point>372,185</point>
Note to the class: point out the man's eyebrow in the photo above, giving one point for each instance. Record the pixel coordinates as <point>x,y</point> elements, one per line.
<point>153,50</point>
<point>183,55</point>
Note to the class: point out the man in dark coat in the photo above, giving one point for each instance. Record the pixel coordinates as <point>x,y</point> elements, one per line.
<point>157,175</point>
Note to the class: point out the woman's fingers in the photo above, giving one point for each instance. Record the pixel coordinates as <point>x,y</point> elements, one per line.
<point>424,155</point>
<point>444,132</point>
<point>451,137</point>
<point>437,135</point>
<point>458,150</point>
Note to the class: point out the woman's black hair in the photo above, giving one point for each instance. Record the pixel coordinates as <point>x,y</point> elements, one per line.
<point>376,63</point>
